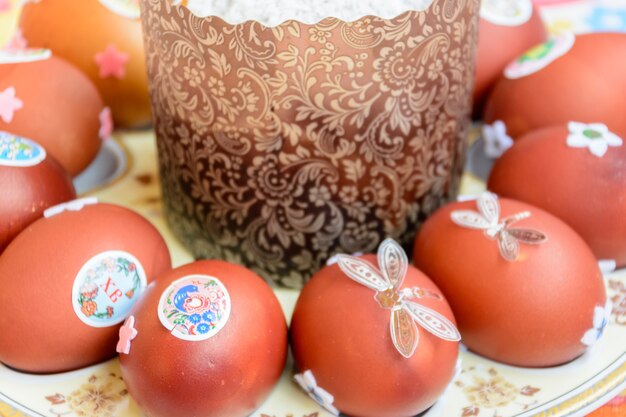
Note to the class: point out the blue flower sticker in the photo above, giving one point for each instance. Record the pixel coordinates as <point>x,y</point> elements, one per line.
<point>195,318</point>
<point>203,328</point>
<point>610,19</point>
<point>209,316</point>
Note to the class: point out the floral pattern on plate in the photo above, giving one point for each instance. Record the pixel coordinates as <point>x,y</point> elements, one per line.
<point>101,395</point>
<point>489,394</point>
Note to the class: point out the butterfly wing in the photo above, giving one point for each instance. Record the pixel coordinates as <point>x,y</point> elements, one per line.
<point>508,245</point>
<point>393,262</point>
<point>363,272</point>
<point>404,332</point>
<point>432,321</point>
<point>470,219</point>
<point>489,207</point>
<point>529,236</point>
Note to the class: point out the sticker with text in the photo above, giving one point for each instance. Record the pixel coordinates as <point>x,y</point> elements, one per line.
<point>107,287</point>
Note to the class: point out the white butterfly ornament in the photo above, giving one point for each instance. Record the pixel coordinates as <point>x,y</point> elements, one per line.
<point>488,219</point>
<point>405,314</point>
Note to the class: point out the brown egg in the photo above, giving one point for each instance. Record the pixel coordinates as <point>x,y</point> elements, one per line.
<point>209,339</point>
<point>31,181</point>
<point>565,79</point>
<point>342,342</point>
<point>103,38</point>
<point>60,110</point>
<point>69,279</point>
<point>534,308</point>
<point>577,173</point>
<point>502,38</point>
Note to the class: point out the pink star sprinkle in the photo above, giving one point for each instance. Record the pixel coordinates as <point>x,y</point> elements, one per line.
<point>9,104</point>
<point>17,42</point>
<point>127,334</point>
<point>106,124</point>
<point>112,62</point>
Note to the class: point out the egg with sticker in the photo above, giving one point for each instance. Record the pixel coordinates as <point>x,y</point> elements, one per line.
<point>103,38</point>
<point>373,336</point>
<point>68,282</point>
<point>577,172</point>
<point>524,287</point>
<point>63,111</point>
<point>507,29</point>
<point>566,78</point>
<point>211,333</point>
<point>32,181</point>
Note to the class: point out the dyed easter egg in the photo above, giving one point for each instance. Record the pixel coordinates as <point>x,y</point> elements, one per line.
<point>103,38</point>
<point>576,172</point>
<point>62,111</point>
<point>31,180</point>
<point>206,339</point>
<point>69,280</point>
<point>523,285</point>
<point>507,29</point>
<point>373,337</point>
<point>566,78</point>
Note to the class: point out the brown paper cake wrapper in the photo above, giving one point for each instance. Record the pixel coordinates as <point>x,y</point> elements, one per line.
<point>281,146</point>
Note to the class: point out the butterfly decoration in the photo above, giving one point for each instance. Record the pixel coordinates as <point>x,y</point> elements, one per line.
<point>487,219</point>
<point>405,313</point>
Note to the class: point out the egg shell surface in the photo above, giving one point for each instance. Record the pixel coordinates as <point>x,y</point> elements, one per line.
<point>341,333</point>
<point>40,328</point>
<point>531,312</point>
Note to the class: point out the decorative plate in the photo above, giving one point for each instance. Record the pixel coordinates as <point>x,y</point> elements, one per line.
<point>482,388</point>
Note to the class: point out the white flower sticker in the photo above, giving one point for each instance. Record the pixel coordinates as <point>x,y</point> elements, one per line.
<point>595,136</point>
<point>601,316</point>
<point>308,383</point>
<point>496,139</point>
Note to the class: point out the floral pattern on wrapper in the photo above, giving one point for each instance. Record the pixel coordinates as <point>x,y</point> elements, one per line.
<point>281,146</point>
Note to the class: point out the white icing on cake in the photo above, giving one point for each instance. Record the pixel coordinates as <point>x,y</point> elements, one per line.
<point>274,12</point>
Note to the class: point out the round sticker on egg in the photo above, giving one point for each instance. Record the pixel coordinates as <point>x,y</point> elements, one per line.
<point>195,307</point>
<point>16,151</point>
<point>506,12</point>
<point>16,56</point>
<point>540,56</point>
<point>106,288</point>
<point>125,8</point>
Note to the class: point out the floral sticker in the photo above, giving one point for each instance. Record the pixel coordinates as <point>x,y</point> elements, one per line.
<point>124,8</point>
<point>106,288</point>
<point>540,56</point>
<point>9,104</point>
<point>308,383</point>
<point>506,12</point>
<point>195,307</point>
<point>497,141</point>
<point>16,56</point>
<point>16,151</point>
<point>601,317</point>
<point>595,136</point>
